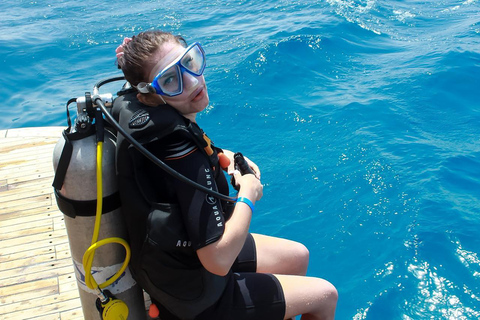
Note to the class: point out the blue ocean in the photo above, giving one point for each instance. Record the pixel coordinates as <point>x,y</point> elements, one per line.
<point>363,115</point>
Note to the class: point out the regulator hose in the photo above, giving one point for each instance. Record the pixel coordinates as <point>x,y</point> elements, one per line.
<point>90,252</point>
<point>99,102</point>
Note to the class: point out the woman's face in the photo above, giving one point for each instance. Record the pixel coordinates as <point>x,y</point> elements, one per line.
<point>194,97</point>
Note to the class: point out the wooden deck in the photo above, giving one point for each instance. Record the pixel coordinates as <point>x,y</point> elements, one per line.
<point>37,279</point>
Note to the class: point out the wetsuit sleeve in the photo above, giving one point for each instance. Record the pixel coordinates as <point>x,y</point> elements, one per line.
<point>202,214</point>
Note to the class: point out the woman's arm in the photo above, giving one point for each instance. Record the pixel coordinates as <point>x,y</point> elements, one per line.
<point>219,256</point>
<point>216,241</point>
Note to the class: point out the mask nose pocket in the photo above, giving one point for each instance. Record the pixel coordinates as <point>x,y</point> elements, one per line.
<point>189,80</point>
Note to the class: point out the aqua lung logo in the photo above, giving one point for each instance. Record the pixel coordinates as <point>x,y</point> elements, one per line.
<point>184,244</point>
<point>209,177</point>
<point>139,119</point>
<point>211,199</point>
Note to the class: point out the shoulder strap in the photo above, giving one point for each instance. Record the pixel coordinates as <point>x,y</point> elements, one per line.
<point>204,143</point>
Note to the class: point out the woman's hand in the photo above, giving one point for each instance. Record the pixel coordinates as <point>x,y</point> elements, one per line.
<point>249,186</point>
<point>231,167</point>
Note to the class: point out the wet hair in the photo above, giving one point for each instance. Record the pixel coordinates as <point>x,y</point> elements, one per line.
<point>136,60</point>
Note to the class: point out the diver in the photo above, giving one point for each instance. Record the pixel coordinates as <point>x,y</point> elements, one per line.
<point>192,252</point>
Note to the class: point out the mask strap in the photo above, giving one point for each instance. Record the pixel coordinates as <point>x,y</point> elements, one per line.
<point>144,87</point>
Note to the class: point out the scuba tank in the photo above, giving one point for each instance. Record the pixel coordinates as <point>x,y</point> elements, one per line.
<point>75,186</point>
<point>77,176</point>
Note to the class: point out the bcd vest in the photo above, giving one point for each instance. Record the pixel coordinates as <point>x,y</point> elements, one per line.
<point>154,227</point>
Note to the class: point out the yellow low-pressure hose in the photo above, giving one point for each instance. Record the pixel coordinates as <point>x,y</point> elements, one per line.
<point>90,252</point>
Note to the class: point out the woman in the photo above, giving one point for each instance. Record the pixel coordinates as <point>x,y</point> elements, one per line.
<point>192,252</point>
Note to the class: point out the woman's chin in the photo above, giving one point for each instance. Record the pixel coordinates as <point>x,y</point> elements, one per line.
<point>201,101</point>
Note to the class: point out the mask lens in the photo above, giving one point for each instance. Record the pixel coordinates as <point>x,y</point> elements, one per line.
<point>194,60</point>
<point>169,81</point>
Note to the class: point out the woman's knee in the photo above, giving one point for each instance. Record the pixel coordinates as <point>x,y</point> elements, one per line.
<point>302,258</point>
<point>310,296</point>
<point>326,300</point>
<point>328,303</point>
<point>330,293</point>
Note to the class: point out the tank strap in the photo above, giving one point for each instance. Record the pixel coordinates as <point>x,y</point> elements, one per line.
<point>86,208</point>
<point>66,155</point>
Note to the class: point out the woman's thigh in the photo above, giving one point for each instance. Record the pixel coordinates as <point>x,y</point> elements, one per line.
<point>280,256</point>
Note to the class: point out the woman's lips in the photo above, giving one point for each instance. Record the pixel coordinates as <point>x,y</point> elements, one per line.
<point>198,94</point>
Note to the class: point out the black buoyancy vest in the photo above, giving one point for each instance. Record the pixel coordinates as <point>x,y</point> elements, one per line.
<point>152,226</point>
<point>148,124</point>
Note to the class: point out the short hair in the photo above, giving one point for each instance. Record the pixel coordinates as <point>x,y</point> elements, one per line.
<point>135,62</point>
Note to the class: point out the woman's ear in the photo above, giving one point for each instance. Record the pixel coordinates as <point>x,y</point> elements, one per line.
<point>150,99</point>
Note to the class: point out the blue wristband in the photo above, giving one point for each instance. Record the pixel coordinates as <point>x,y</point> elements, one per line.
<point>247,202</point>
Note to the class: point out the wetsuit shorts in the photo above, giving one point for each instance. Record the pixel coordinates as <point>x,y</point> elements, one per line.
<point>248,295</point>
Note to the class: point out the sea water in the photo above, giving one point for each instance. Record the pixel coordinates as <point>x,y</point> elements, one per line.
<point>363,116</point>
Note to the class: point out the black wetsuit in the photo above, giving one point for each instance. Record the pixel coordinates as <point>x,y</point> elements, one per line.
<point>169,220</point>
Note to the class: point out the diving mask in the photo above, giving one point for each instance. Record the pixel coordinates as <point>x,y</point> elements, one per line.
<point>169,81</point>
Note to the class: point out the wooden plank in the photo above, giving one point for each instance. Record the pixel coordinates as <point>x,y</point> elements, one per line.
<point>33,257</point>
<point>24,184</point>
<point>22,223</point>
<point>20,171</point>
<point>37,271</point>
<point>47,212</point>
<point>28,242</point>
<point>27,203</point>
<point>40,306</point>
<point>31,183</point>
<point>67,282</point>
<point>25,192</point>
<point>18,144</point>
<point>7,261</point>
<point>50,211</point>
<point>63,254</point>
<point>53,131</point>
<point>61,248</point>
<point>20,156</point>
<point>37,157</point>
<point>31,177</point>
<point>39,227</point>
<point>59,223</point>
<point>57,239</point>
<point>23,291</point>
<point>53,316</point>
<point>16,154</point>
<point>74,314</point>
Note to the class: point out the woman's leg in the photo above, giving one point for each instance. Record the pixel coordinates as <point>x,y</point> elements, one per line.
<point>280,256</point>
<point>313,298</point>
